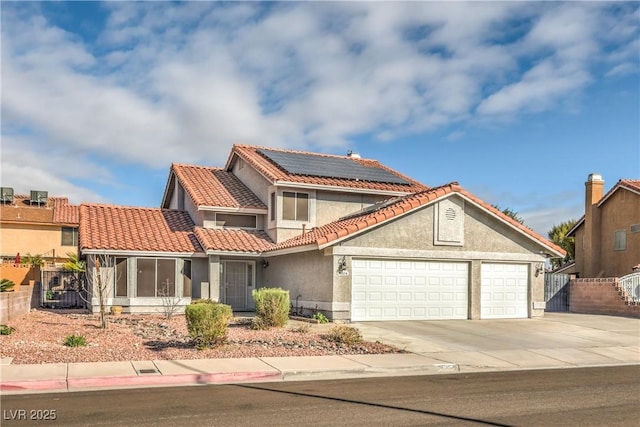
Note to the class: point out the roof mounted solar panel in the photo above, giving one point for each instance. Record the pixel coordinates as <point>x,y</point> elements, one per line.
<point>331,167</point>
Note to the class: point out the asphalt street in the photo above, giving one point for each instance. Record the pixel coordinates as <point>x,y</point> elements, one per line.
<point>569,397</point>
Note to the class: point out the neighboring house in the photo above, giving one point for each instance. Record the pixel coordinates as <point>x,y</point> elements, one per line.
<point>347,236</point>
<point>37,225</point>
<point>608,235</point>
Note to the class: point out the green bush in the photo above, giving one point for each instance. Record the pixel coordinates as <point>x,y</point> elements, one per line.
<point>6,330</point>
<point>207,322</point>
<point>6,285</point>
<point>272,306</point>
<point>320,317</point>
<point>344,334</point>
<point>75,341</point>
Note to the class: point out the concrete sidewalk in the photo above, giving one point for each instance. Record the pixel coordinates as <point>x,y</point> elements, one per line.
<point>556,341</point>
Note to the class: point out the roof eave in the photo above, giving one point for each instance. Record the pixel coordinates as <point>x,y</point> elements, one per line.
<point>141,253</point>
<point>341,189</point>
<point>257,211</point>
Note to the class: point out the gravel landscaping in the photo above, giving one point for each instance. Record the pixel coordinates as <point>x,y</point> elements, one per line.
<point>39,337</point>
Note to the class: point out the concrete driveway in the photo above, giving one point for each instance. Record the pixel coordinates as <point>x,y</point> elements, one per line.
<point>558,339</point>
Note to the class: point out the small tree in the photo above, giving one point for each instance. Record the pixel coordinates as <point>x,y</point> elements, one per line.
<point>272,307</point>
<point>99,282</point>
<point>170,302</point>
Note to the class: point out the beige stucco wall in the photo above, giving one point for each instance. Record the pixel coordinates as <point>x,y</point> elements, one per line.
<point>257,183</point>
<point>34,239</point>
<point>331,206</point>
<point>308,274</point>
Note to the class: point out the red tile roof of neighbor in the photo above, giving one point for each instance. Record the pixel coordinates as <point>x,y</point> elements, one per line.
<point>633,184</point>
<point>275,174</point>
<point>234,240</point>
<point>209,186</point>
<point>331,232</point>
<point>57,210</point>
<point>64,213</point>
<point>107,227</point>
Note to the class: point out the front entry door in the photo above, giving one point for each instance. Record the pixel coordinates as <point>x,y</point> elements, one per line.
<point>237,279</point>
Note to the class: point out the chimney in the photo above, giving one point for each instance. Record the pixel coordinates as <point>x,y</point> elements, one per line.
<point>594,190</point>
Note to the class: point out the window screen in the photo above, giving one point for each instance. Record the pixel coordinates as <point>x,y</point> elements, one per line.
<point>620,240</point>
<point>295,206</point>
<point>186,278</point>
<point>146,277</point>
<point>69,236</point>
<point>121,277</point>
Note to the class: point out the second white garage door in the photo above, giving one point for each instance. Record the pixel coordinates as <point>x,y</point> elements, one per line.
<point>408,290</point>
<point>504,291</point>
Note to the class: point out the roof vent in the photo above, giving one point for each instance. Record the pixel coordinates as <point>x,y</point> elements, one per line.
<point>38,197</point>
<point>6,194</point>
<point>353,154</point>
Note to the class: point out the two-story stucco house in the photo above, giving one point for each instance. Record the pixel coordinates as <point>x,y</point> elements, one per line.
<point>38,225</point>
<point>608,235</point>
<point>345,235</point>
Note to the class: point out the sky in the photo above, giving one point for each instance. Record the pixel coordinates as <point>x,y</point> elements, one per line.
<point>517,101</point>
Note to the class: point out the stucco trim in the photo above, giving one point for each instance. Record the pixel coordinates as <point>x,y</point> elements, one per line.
<point>143,253</point>
<point>432,254</point>
<point>233,210</point>
<point>234,253</point>
<point>340,189</point>
<point>291,250</point>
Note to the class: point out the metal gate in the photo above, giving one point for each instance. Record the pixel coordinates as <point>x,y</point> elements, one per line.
<point>556,292</point>
<point>63,289</point>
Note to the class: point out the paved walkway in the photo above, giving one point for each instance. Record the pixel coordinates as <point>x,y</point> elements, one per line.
<point>559,340</point>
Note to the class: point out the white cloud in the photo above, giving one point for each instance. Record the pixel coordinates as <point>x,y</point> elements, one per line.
<point>182,82</point>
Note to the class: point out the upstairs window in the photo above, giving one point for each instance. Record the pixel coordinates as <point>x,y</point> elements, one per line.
<point>295,206</point>
<point>273,207</point>
<point>69,236</point>
<point>236,221</point>
<point>620,240</point>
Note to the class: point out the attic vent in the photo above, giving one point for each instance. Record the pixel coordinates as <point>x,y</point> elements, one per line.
<point>38,197</point>
<point>6,195</point>
<point>450,214</point>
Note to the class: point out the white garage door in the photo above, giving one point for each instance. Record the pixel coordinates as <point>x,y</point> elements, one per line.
<point>504,291</point>
<point>408,290</point>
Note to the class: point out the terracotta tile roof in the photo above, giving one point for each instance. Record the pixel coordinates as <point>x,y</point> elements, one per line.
<point>331,232</point>
<point>275,174</point>
<point>121,228</point>
<point>234,240</point>
<point>629,184</point>
<point>56,211</point>
<point>209,186</point>
<point>633,184</point>
<point>64,213</point>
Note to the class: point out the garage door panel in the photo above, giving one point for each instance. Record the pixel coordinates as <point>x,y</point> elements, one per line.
<point>411,290</point>
<point>504,291</point>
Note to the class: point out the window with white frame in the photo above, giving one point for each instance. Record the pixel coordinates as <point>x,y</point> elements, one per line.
<point>620,240</point>
<point>295,206</point>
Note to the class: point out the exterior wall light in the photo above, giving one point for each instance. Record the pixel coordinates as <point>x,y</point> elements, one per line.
<point>265,263</point>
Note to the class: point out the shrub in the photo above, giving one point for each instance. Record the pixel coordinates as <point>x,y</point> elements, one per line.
<point>6,285</point>
<point>272,306</point>
<point>6,330</point>
<point>344,334</point>
<point>320,317</point>
<point>301,328</point>
<point>207,322</point>
<point>75,341</point>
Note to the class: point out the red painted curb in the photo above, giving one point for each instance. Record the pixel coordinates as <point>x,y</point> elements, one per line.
<point>36,385</point>
<point>133,381</point>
